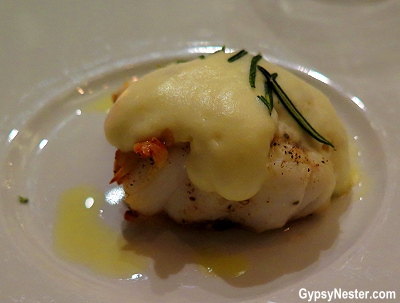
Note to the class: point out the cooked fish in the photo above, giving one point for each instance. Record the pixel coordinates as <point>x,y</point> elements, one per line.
<point>194,141</point>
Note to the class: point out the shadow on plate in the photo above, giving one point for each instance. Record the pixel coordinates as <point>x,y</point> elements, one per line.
<point>241,258</point>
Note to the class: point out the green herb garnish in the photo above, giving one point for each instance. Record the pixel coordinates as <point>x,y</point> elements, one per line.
<point>291,108</point>
<point>237,56</point>
<point>267,100</point>
<point>23,200</point>
<point>253,70</point>
<point>220,50</point>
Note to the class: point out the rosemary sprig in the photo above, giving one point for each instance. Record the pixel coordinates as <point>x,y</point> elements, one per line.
<point>237,56</point>
<point>267,100</point>
<point>291,108</point>
<point>268,88</point>
<point>220,50</point>
<point>253,70</point>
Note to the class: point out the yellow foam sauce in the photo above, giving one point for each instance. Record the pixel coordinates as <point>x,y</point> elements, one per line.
<point>210,104</point>
<point>80,236</point>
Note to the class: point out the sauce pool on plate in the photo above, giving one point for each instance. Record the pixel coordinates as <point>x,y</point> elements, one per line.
<point>82,237</point>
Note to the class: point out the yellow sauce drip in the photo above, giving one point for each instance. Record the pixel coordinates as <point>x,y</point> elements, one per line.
<point>362,183</point>
<point>80,236</point>
<point>100,105</point>
<point>220,264</point>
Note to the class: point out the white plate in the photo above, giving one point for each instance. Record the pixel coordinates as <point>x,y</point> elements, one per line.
<point>61,58</point>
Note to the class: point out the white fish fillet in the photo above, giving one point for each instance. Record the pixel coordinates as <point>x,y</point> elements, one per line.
<point>301,183</point>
